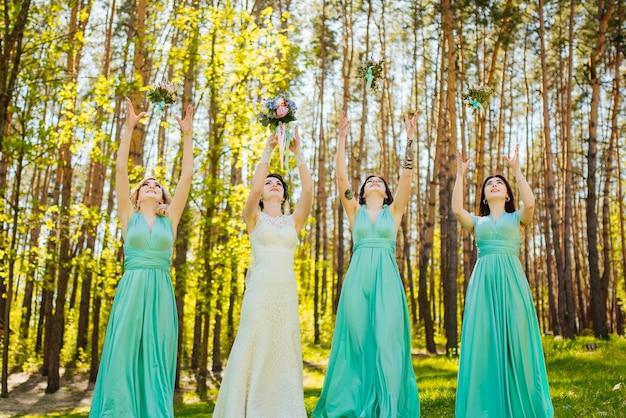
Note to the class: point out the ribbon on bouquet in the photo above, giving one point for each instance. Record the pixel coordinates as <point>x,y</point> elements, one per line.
<point>369,77</point>
<point>285,135</point>
<point>475,103</point>
<point>159,108</point>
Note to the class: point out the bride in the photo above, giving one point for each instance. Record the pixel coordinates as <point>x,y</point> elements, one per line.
<point>263,376</point>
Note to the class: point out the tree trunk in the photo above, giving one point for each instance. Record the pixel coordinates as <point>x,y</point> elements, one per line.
<point>12,250</point>
<point>608,276</point>
<point>58,318</point>
<point>94,195</point>
<point>184,226</point>
<point>449,227</point>
<point>320,202</point>
<point>10,57</point>
<point>598,286</point>
<point>39,199</point>
<point>346,72</point>
<point>78,21</point>
<point>142,68</point>
<point>566,309</point>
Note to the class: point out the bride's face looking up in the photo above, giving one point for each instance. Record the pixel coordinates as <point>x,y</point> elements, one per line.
<point>273,189</point>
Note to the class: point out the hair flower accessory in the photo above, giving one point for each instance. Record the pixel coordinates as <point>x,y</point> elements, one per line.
<point>371,70</point>
<point>278,112</point>
<point>477,96</point>
<point>164,93</point>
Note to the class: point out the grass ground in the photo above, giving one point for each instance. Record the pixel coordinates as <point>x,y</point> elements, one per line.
<point>587,378</point>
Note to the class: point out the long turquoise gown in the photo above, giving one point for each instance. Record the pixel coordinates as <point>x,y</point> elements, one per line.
<point>370,373</point>
<point>502,371</point>
<point>138,366</point>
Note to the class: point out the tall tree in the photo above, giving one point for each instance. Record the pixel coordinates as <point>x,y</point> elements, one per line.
<point>447,138</point>
<point>567,147</point>
<point>598,285</point>
<point>566,307</point>
<point>320,204</point>
<point>79,17</point>
<point>14,23</point>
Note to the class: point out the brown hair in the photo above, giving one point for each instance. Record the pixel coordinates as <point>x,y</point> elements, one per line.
<point>163,208</point>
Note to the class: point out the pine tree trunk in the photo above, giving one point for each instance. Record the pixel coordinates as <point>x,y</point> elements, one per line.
<point>566,309</point>
<point>598,285</point>
<point>10,57</point>
<point>142,66</point>
<point>320,202</point>
<point>449,227</point>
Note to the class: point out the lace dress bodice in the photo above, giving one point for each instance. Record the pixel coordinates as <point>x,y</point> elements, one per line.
<point>276,231</point>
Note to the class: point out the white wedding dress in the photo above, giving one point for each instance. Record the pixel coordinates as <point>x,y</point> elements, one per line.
<point>263,376</point>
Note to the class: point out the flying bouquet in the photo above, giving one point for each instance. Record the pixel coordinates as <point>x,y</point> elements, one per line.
<point>277,113</point>
<point>164,93</point>
<point>477,96</point>
<point>371,70</point>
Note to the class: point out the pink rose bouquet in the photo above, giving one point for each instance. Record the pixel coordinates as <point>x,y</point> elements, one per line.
<point>277,113</point>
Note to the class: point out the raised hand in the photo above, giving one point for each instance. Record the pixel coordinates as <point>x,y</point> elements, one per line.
<point>131,118</point>
<point>272,141</point>
<point>186,124</point>
<point>461,166</point>
<point>513,162</point>
<point>295,143</point>
<point>409,124</point>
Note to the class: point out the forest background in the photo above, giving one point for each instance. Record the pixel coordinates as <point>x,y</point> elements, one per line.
<point>65,68</point>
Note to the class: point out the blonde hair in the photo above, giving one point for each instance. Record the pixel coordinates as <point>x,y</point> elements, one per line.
<point>163,208</point>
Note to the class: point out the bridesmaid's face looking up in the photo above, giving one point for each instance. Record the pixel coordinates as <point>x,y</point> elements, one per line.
<point>374,185</point>
<point>494,188</point>
<point>151,189</point>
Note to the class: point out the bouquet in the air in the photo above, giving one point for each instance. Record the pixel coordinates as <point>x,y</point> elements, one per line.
<point>371,70</point>
<point>477,96</point>
<point>164,93</point>
<point>277,113</point>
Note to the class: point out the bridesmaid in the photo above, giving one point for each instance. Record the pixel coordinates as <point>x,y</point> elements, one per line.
<point>502,371</point>
<point>138,366</point>
<point>370,372</point>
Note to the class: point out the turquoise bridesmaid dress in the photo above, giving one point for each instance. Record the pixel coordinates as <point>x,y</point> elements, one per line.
<point>370,373</point>
<point>138,366</point>
<point>502,371</point>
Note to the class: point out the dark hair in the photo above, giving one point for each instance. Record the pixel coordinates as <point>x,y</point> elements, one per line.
<point>389,197</point>
<point>509,205</point>
<point>285,189</point>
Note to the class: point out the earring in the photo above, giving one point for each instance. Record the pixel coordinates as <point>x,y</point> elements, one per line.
<point>484,202</point>
<point>508,199</point>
